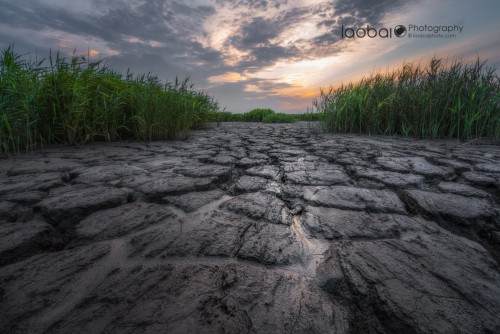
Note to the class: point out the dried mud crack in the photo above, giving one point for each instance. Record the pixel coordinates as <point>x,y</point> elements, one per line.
<point>252,228</point>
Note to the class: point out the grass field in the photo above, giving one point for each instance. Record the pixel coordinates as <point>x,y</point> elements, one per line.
<point>76,101</point>
<point>266,116</point>
<point>441,100</point>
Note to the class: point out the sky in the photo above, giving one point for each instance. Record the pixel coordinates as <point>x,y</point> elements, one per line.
<point>254,53</point>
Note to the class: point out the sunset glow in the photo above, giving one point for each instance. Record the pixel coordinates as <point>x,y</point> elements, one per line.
<point>249,53</point>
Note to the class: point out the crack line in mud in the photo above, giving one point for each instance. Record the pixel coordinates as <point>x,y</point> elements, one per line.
<point>299,313</point>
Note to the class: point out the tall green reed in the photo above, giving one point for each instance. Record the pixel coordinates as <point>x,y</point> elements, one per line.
<point>75,101</point>
<point>441,100</point>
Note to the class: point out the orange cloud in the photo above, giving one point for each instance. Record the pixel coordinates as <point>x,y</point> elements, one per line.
<point>297,92</point>
<point>87,53</point>
<point>253,88</point>
<point>295,106</point>
<point>227,77</point>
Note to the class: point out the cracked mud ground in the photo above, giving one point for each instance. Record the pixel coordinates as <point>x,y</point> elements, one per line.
<point>252,228</point>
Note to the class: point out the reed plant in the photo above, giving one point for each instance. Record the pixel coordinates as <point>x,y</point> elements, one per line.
<point>279,118</point>
<point>256,115</point>
<point>442,100</point>
<point>266,115</point>
<point>309,116</point>
<point>75,101</point>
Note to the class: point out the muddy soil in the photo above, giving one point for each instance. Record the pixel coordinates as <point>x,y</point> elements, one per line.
<point>252,228</point>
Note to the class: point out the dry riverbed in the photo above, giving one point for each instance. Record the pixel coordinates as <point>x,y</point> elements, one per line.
<point>252,228</point>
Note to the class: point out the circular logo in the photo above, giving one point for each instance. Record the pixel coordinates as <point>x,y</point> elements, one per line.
<point>400,31</point>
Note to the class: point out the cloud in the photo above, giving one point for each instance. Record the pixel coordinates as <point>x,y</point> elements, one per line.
<point>354,14</point>
<point>175,30</point>
<point>248,45</point>
<point>304,31</point>
<point>367,11</point>
<point>227,77</point>
<point>262,5</point>
<point>259,31</point>
<point>265,40</point>
<point>129,28</point>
